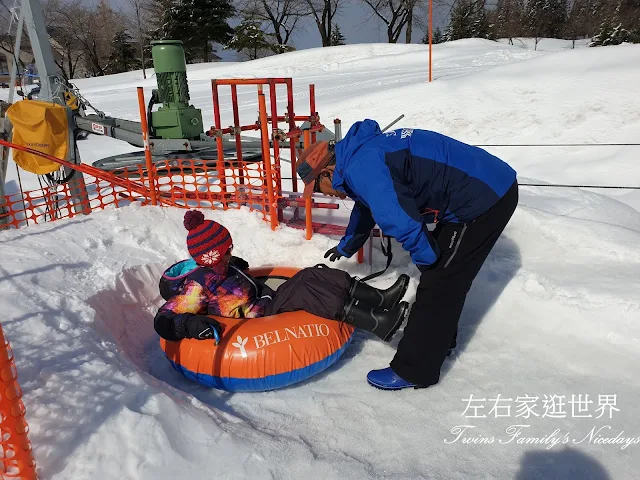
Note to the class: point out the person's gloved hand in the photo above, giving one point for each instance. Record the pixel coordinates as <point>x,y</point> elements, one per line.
<point>202,328</point>
<point>334,254</point>
<point>239,263</point>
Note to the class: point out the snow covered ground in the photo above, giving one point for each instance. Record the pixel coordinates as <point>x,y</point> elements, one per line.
<point>554,311</point>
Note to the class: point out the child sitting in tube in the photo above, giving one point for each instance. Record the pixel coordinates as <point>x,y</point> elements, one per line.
<point>213,282</point>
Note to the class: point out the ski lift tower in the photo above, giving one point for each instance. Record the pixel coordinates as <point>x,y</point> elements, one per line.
<point>52,89</point>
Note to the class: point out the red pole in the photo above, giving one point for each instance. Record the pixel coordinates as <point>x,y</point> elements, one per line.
<point>307,204</point>
<point>430,33</point>
<point>236,125</point>
<point>276,145</point>
<point>218,123</point>
<point>266,158</point>
<point>312,107</point>
<point>292,127</point>
<point>147,151</point>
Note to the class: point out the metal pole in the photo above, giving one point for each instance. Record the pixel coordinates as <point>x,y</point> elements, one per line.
<point>220,165</point>
<point>430,34</point>
<point>52,90</point>
<point>308,216</point>
<point>4,162</point>
<point>147,150</point>
<point>77,187</point>
<point>16,51</point>
<point>6,124</point>
<point>312,107</point>
<point>266,158</point>
<point>50,86</point>
<point>393,123</point>
<point>337,127</point>
<point>4,210</point>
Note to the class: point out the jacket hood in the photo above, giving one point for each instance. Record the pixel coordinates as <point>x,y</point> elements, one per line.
<point>359,133</point>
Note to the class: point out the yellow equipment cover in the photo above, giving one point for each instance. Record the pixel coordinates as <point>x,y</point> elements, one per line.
<point>40,126</point>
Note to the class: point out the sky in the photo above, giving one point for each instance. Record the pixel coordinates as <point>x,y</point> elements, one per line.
<point>355,19</point>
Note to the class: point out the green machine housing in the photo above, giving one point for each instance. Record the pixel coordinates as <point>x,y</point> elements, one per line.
<point>175,118</point>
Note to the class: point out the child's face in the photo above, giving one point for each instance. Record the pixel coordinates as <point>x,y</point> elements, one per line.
<point>227,256</point>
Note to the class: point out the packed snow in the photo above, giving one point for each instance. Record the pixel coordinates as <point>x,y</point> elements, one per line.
<point>555,310</point>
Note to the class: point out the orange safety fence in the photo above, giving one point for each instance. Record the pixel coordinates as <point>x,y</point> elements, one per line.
<point>189,183</point>
<point>16,455</point>
<point>58,201</point>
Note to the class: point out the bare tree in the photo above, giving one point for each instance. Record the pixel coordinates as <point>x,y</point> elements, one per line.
<point>8,39</point>
<point>323,12</point>
<point>411,6</point>
<point>58,16</point>
<point>420,13</point>
<point>629,13</point>
<point>580,22</point>
<point>138,8</point>
<point>282,16</point>
<point>155,15</point>
<point>394,14</point>
<point>509,19</point>
<point>94,31</point>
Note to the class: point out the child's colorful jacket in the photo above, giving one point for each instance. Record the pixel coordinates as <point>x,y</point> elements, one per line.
<point>194,290</point>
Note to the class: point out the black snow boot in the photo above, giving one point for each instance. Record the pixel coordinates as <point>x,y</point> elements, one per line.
<point>384,299</point>
<point>382,323</point>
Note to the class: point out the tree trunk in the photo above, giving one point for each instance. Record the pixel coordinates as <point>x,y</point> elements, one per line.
<point>70,64</point>
<point>140,33</point>
<point>409,26</point>
<point>326,29</point>
<point>144,73</point>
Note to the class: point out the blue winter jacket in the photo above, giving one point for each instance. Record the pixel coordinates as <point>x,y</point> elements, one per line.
<point>398,178</point>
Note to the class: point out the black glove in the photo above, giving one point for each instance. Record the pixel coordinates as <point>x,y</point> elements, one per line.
<point>202,328</point>
<point>335,254</point>
<point>238,263</point>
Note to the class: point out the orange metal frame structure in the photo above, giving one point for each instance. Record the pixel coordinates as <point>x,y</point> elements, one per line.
<point>189,182</point>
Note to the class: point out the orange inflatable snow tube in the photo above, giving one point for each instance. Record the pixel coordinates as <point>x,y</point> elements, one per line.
<point>262,353</point>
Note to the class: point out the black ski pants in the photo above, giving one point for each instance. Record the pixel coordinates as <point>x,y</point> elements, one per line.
<point>432,326</point>
<point>319,290</point>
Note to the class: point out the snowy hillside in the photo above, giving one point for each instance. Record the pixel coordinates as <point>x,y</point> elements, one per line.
<point>555,310</point>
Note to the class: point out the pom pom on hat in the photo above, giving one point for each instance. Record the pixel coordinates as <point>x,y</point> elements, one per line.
<point>207,240</point>
<point>192,219</point>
